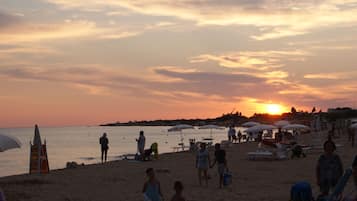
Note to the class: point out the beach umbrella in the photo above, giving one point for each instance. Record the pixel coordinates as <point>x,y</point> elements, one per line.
<point>259,128</point>
<point>37,137</point>
<point>8,142</point>
<point>296,127</point>
<point>281,123</point>
<point>211,127</point>
<point>250,124</point>
<point>354,126</point>
<point>179,128</point>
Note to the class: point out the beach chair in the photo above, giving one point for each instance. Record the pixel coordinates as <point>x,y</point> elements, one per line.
<point>261,155</point>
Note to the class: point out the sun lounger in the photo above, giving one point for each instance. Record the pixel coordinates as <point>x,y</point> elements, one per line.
<point>182,148</point>
<point>261,155</point>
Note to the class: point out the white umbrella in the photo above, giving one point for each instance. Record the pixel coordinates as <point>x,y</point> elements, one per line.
<point>281,123</point>
<point>8,142</point>
<point>354,126</point>
<point>179,128</point>
<point>210,126</point>
<point>296,127</point>
<point>259,128</point>
<point>250,124</point>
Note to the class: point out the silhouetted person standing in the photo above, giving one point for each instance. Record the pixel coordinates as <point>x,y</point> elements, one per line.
<point>141,144</point>
<point>103,141</point>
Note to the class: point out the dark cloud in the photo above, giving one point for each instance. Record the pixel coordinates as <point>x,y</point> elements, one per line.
<point>7,20</point>
<point>179,85</point>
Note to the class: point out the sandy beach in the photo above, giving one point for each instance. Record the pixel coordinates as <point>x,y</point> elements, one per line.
<point>123,180</point>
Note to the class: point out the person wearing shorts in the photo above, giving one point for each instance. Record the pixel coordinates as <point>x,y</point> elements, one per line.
<point>220,159</point>
<point>202,163</point>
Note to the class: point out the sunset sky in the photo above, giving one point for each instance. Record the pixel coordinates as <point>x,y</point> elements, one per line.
<point>76,62</point>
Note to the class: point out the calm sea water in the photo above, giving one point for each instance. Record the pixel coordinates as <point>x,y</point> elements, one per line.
<point>81,144</point>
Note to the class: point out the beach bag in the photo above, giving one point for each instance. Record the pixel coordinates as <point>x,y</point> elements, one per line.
<point>301,191</point>
<point>227,178</point>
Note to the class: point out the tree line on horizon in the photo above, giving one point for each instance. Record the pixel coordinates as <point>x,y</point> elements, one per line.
<point>237,118</point>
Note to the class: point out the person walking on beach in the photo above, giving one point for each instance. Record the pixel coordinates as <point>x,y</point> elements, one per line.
<point>220,159</point>
<point>141,143</point>
<point>103,141</point>
<point>152,189</point>
<point>329,168</point>
<point>178,187</point>
<point>202,163</point>
<point>231,133</point>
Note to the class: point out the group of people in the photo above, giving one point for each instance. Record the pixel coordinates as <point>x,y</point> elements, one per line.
<point>152,190</point>
<point>203,163</point>
<point>104,145</point>
<point>233,135</point>
<point>329,170</point>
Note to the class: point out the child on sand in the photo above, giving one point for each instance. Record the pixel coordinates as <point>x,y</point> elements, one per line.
<point>152,189</point>
<point>329,168</point>
<point>178,187</point>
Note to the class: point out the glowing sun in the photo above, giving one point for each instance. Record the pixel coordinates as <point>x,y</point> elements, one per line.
<point>274,109</point>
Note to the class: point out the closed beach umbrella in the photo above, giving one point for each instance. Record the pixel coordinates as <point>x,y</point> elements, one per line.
<point>296,127</point>
<point>281,123</point>
<point>37,137</point>
<point>211,127</point>
<point>8,142</point>
<point>250,124</point>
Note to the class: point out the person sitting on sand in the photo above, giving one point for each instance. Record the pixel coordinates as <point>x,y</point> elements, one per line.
<point>103,141</point>
<point>329,168</point>
<point>202,163</point>
<point>220,158</point>
<point>152,189</point>
<point>178,187</point>
<point>141,143</point>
